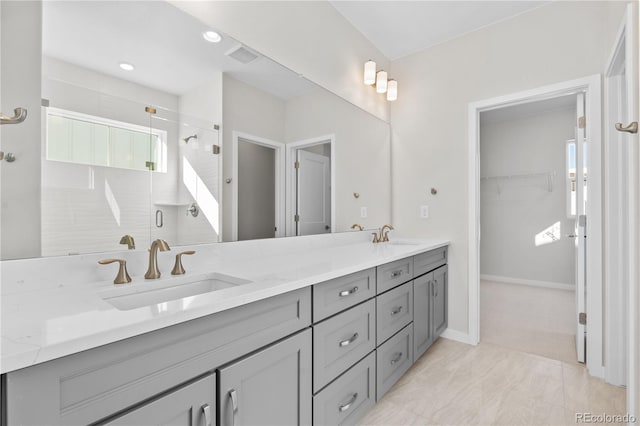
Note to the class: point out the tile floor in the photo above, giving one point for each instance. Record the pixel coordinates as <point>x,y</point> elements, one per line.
<point>458,384</point>
<point>524,372</point>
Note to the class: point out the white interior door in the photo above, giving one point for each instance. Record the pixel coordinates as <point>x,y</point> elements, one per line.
<point>580,233</point>
<point>633,176</point>
<point>313,194</point>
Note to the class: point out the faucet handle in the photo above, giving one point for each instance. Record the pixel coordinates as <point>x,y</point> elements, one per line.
<point>376,239</point>
<point>178,269</point>
<point>385,238</point>
<point>123,276</point>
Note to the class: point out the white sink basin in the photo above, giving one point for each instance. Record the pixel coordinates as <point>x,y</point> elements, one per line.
<point>403,243</point>
<point>152,293</point>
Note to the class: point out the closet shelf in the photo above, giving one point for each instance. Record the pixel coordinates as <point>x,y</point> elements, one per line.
<point>550,176</point>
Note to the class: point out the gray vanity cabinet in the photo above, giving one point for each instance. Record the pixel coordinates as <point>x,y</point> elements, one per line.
<point>191,405</point>
<point>440,300</point>
<point>430,294</point>
<point>270,387</point>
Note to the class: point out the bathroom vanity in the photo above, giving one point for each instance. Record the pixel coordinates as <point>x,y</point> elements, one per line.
<point>317,334</point>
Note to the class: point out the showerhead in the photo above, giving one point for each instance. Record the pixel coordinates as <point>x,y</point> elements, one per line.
<point>186,140</point>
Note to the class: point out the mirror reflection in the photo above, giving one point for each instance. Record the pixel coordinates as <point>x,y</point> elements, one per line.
<point>191,137</point>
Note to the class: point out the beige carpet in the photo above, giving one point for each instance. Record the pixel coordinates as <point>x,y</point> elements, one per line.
<point>529,319</point>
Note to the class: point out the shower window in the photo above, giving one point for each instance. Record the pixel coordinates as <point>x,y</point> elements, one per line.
<point>73,137</point>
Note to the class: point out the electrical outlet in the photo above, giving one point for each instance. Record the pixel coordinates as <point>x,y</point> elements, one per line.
<point>363,212</point>
<point>424,212</point>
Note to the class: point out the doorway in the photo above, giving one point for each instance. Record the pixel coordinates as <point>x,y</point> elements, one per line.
<point>528,248</point>
<point>311,183</point>
<point>257,187</point>
<point>591,125</point>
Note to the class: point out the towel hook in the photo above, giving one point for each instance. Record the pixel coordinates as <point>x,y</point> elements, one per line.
<point>20,114</point>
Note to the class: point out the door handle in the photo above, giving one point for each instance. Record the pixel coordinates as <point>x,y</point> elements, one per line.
<point>234,405</point>
<point>206,411</point>
<point>435,287</point>
<point>20,114</point>
<point>631,128</point>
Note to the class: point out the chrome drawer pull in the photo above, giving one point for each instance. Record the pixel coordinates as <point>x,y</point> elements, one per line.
<point>206,410</point>
<point>346,293</point>
<point>346,406</point>
<point>396,274</point>
<point>396,311</point>
<point>234,406</point>
<point>348,341</point>
<point>396,358</point>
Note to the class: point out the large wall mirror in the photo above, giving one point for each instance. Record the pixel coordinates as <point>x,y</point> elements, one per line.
<point>153,131</point>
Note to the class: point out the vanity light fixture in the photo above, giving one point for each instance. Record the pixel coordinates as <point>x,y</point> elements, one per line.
<point>392,90</point>
<point>369,73</point>
<point>381,81</point>
<point>127,66</point>
<point>212,36</point>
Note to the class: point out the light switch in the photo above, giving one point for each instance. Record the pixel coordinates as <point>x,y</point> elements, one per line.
<point>424,212</point>
<point>363,212</point>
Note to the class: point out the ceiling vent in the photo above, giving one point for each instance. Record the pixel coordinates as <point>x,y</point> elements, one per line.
<point>242,54</point>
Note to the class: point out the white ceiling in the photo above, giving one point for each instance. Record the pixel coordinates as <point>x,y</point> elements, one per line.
<point>162,42</point>
<point>399,28</point>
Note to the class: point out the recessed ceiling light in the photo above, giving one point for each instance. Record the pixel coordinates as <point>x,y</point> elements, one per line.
<point>127,67</point>
<point>212,36</point>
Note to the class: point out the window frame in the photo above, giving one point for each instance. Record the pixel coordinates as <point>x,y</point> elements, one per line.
<point>161,160</point>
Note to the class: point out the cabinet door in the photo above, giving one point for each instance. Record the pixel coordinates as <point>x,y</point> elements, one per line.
<point>191,405</point>
<point>422,325</point>
<point>270,387</point>
<point>440,296</point>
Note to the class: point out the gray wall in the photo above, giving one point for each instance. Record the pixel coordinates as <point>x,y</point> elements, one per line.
<point>514,211</point>
<point>256,191</point>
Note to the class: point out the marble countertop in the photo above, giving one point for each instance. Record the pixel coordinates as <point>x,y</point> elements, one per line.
<point>45,317</point>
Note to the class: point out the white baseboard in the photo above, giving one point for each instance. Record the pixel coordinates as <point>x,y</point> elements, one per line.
<point>458,336</point>
<point>534,283</point>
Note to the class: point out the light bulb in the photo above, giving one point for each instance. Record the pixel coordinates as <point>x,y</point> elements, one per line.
<point>381,82</point>
<point>392,90</point>
<point>369,72</point>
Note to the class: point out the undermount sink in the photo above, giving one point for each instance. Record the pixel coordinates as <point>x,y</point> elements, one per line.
<point>155,292</point>
<point>403,243</point>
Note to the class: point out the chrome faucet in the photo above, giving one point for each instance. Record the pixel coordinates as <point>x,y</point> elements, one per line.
<point>153,272</point>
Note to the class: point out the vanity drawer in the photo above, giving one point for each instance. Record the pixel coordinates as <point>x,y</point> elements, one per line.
<point>349,398</point>
<point>336,295</point>
<point>394,273</point>
<point>394,310</point>
<point>341,341</point>
<point>427,262</point>
<point>393,359</point>
<point>88,386</point>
